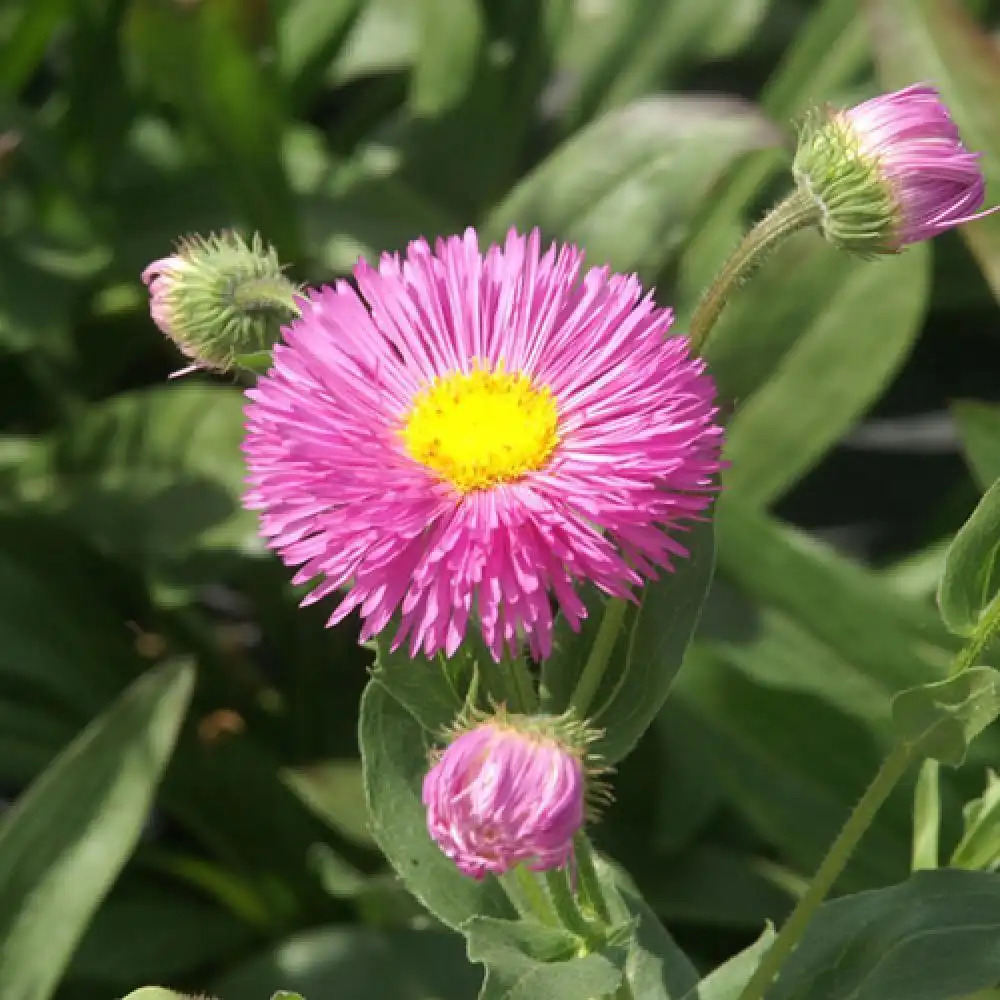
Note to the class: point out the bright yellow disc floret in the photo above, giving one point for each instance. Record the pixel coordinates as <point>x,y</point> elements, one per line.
<point>482,428</point>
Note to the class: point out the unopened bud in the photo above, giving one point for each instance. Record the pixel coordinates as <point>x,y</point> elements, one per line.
<point>889,172</point>
<point>510,790</point>
<point>219,299</point>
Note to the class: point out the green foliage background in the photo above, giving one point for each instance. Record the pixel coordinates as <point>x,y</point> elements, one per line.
<point>651,132</point>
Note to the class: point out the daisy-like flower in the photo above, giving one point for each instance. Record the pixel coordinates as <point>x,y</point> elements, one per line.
<point>511,790</point>
<point>889,172</point>
<point>474,435</point>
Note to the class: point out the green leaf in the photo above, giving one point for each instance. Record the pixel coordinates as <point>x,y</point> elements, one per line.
<point>63,652</point>
<point>656,968</point>
<point>182,935</point>
<point>932,938</point>
<point>979,427</point>
<point>628,187</point>
<point>926,816</point>
<point>979,847</point>
<point>27,44</point>
<point>63,844</point>
<point>525,960</point>
<point>230,796</point>
<point>356,963</point>
<point>937,40</point>
<point>641,46</point>
<point>656,636</point>
<point>310,34</point>
<point>971,577</point>
<point>205,62</point>
<point>476,63</point>
<point>808,338</point>
<point>362,206</point>
<point>942,719</point>
<point>285,995</point>
<point>647,654</point>
<point>889,639</point>
<point>36,306</point>
<point>394,753</point>
<point>384,40</point>
<point>334,790</point>
<point>727,981</point>
<point>451,32</point>
<point>150,474</point>
<point>771,752</point>
<point>432,691</point>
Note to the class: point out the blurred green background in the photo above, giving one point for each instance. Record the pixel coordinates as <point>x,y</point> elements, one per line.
<point>649,131</point>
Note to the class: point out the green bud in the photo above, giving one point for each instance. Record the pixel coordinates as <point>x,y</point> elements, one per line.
<point>859,208</point>
<point>218,298</point>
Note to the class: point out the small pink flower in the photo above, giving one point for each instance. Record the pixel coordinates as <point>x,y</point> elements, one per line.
<point>936,180</point>
<point>499,796</point>
<point>468,437</point>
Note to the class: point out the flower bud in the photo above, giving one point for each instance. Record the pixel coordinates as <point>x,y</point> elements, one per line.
<point>219,299</point>
<point>889,172</point>
<point>511,789</point>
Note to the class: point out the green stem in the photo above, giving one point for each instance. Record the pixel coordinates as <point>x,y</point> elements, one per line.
<point>593,895</point>
<point>590,884</point>
<point>525,892</point>
<point>565,903</point>
<point>520,689</point>
<point>892,769</point>
<point>796,212</point>
<point>986,631</point>
<point>600,653</point>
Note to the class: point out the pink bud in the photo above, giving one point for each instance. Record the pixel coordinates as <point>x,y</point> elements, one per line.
<point>161,279</point>
<point>499,796</point>
<point>936,181</point>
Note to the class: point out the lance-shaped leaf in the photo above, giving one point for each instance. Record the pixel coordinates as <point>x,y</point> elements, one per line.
<point>971,577</point>
<point>525,961</point>
<point>394,754</point>
<point>980,843</point>
<point>64,843</point>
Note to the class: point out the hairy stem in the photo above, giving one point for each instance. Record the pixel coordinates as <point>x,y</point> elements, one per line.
<point>796,212</point>
<point>892,769</point>
<point>986,631</point>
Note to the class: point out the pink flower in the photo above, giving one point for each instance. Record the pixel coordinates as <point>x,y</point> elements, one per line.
<point>474,435</point>
<point>499,796</point>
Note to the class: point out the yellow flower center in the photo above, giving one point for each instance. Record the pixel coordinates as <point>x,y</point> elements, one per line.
<point>483,428</point>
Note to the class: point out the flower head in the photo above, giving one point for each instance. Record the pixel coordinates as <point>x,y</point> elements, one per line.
<point>510,790</point>
<point>217,298</point>
<point>474,435</point>
<point>889,172</point>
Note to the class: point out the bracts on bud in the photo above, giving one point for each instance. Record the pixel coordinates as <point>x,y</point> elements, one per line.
<point>221,300</point>
<point>889,172</point>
